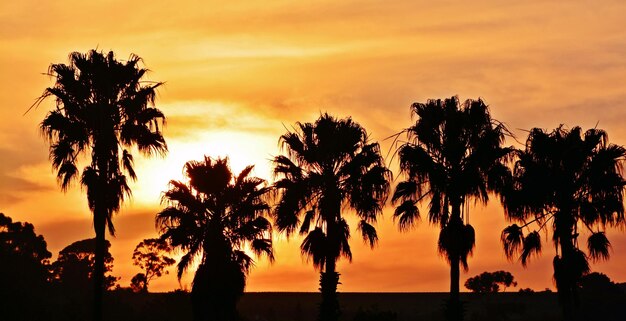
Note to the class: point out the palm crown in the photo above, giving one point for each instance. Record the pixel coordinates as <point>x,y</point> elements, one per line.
<point>572,180</point>
<point>330,165</point>
<point>102,109</point>
<point>453,155</point>
<point>216,215</point>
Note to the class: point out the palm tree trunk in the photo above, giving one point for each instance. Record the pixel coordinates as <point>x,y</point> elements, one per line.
<point>566,284</point>
<point>98,276</point>
<point>455,275</point>
<point>454,311</point>
<point>564,271</point>
<point>329,279</point>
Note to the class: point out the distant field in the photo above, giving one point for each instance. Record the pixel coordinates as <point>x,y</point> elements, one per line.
<point>282,306</point>
<point>405,306</point>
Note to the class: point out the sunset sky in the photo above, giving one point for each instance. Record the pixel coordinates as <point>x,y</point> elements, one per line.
<point>238,74</point>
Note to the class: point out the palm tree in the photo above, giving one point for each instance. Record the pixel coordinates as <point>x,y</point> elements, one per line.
<point>330,165</point>
<point>214,218</point>
<point>573,180</point>
<point>103,109</point>
<point>453,156</point>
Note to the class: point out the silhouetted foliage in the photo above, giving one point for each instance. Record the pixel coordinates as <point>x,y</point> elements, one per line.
<point>139,283</point>
<point>103,108</point>
<point>598,283</point>
<point>453,155</point>
<point>526,290</point>
<point>73,270</point>
<point>489,282</point>
<point>330,165</point>
<point>150,256</point>
<point>24,259</point>
<point>569,179</point>
<point>214,217</point>
<point>601,298</point>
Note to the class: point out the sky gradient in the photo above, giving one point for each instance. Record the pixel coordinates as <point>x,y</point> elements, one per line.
<point>238,75</point>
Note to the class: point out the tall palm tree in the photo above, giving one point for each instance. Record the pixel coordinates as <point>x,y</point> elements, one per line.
<point>573,180</point>
<point>330,165</point>
<point>453,155</point>
<point>103,109</point>
<point>214,218</point>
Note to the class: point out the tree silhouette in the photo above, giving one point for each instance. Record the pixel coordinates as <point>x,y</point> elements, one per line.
<point>149,255</point>
<point>489,282</point>
<point>24,260</point>
<point>22,251</point>
<point>453,155</point>
<point>572,180</point>
<point>139,283</point>
<point>74,268</point>
<point>330,165</point>
<point>215,217</point>
<point>103,108</point>
<point>601,299</point>
<point>598,283</point>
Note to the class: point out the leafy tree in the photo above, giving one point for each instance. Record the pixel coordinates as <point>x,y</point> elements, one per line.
<point>330,165</point>
<point>103,108</point>
<point>601,298</point>
<point>23,253</point>
<point>139,283</point>
<point>598,283</point>
<point>489,282</point>
<point>213,218</point>
<point>74,268</point>
<point>149,255</point>
<point>453,155</point>
<point>571,180</point>
<point>24,260</point>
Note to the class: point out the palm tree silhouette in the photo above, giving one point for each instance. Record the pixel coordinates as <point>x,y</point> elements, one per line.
<point>103,108</point>
<point>453,155</point>
<point>330,164</point>
<point>214,218</point>
<point>573,180</point>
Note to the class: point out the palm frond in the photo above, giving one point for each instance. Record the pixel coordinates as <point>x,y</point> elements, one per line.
<point>407,215</point>
<point>531,245</point>
<point>344,237</point>
<point>263,246</point>
<point>405,190</point>
<point>128,163</point>
<point>314,247</point>
<point>243,261</point>
<point>467,244</point>
<point>305,226</point>
<point>368,232</point>
<point>512,239</point>
<point>599,246</point>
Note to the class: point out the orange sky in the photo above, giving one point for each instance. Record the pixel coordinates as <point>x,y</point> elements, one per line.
<point>237,73</point>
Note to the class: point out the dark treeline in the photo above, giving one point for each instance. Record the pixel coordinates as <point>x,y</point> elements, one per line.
<point>562,182</point>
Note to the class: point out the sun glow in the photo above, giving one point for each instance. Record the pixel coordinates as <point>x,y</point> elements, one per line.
<point>242,149</point>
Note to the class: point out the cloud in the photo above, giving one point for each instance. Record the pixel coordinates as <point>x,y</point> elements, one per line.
<point>187,118</point>
<point>15,183</point>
